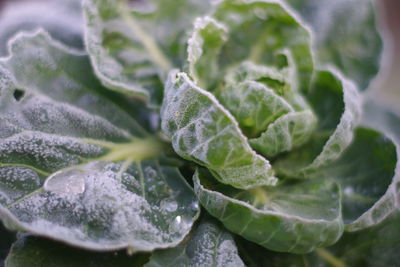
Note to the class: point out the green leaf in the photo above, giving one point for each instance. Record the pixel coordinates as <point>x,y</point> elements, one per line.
<point>369,194</point>
<point>76,167</point>
<point>209,245</point>
<point>286,133</point>
<point>38,252</point>
<point>294,218</point>
<point>253,105</point>
<point>203,131</point>
<point>133,47</point>
<point>376,246</point>
<point>204,47</point>
<point>61,18</point>
<point>330,92</point>
<point>346,35</point>
<point>259,30</point>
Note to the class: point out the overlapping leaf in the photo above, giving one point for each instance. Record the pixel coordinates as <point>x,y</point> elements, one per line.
<point>293,218</point>
<point>133,45</point>
<point>257,31</point>
<point>61,18</point>
<point>346,35</point>
<point>203,131</point>
<point>76,167</point>
<point>330,91</point>
<point>208,245</point>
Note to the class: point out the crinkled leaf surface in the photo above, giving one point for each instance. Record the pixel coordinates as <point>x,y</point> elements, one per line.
<point>61,18</point>
<point>293,218</point>
<point>259,30</point>
<point>253,105</point>
<point>346,35</point>
<point>133,44</point>
<point>208,245</point>
<point>38,252</point>
<point>337,104</point>
<point>202,130</point>
<point>371,247</point>
<point>76,167</point>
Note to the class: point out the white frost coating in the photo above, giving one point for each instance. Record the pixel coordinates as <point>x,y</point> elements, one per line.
<point>287,132</point>
<point>200,134</point>
<point>103,64</point>
<point>320,230</point>
<point>208,245</point>
<point>105,214</point>
<point>49,152</point>
<point>386,205</point>
<point>195,47</point>
<point>54,100</point>
<point>343,135</point>
<point>52,16</point>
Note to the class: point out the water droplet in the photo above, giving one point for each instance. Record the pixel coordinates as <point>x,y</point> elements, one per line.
<point>68,181</point>
<point>194,206</point>
<point>169,205</point>
<point>175,224</point>
<point>150,172</point>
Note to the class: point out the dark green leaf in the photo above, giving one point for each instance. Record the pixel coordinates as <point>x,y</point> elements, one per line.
<point>133,45</point>
<point>38,252</point>
<point>346,35</point>
<point>76,167</point>
<point>208,245</point>
<point>293,218</point>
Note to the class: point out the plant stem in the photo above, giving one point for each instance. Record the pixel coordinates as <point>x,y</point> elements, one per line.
<point>330,258</point>
<point>148,42</point>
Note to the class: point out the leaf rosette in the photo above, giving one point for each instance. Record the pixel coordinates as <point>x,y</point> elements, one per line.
<point>277,137</point>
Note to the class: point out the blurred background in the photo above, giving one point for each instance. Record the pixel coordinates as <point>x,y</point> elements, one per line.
<point>385,88</point>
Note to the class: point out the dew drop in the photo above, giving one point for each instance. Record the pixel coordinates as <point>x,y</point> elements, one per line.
<point>169,205</point>
<point>194,206</point>
<point>175,224</point>
<point>68,181</point>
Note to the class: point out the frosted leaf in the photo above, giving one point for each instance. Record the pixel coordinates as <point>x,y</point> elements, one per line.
<point>288,218</point>
<point>337,104</point>
<point>346,35</point>
<point>99,211</point>
<point>253,105</point>
<point>61,18</point>
<point>207,245</point>
<point>259,30</point>
<point>204,47</point>
<point>125,56</point>
<point>288,132</point>
<point>77,166</point>
<point>202,130</point>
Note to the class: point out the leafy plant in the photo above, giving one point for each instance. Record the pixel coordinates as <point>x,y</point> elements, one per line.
<point>235,111</point>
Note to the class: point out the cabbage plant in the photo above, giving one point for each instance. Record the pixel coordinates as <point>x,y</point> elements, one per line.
<point>196,133</point>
